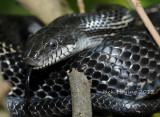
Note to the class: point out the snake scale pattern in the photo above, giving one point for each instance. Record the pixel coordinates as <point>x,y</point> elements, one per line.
<point>105,47</point>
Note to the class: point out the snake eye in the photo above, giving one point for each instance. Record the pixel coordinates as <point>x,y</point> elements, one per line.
<point>53,44</point>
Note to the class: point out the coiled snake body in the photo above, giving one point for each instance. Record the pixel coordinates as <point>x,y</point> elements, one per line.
<point>116,64</point>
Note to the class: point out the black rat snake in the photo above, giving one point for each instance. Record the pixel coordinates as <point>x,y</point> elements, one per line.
<point>123,65</point>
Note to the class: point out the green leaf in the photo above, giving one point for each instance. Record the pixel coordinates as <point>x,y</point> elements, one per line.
<point>11,7</point>
<point>90,4</point>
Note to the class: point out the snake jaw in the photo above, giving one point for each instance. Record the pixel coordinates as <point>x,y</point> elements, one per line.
<point>54,57</point>
<point>62,53</point>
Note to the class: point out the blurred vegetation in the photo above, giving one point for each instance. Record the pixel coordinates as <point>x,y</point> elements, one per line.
<point>90,4</point>
<point>12,7</point>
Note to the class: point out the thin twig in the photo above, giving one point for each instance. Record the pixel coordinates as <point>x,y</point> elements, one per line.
<point>146,20</point>
<point>81,96</point>
<point>81,6</point>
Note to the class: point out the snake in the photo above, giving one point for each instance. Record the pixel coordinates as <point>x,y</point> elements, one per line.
<point>98,45</point>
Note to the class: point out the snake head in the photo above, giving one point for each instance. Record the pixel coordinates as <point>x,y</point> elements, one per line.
<point>53,44</point>
<point>48,46</point>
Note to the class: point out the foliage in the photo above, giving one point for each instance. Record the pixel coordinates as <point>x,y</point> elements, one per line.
<point>90,4</point>
<point>12,7</point>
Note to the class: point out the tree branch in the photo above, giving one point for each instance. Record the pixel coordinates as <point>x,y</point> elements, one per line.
<point>81,6</point>
<point>81,96</point>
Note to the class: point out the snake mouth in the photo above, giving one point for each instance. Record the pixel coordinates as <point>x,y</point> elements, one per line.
<point>51,58</point>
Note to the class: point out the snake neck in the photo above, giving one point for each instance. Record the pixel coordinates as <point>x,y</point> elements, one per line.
<point>67,51</point>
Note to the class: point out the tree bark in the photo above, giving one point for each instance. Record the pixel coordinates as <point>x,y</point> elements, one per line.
<point>81,96</point>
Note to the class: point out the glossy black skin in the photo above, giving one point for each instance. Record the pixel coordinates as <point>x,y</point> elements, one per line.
<point>55,76</point>
<point>69,29</point>
<point>112,65</point>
